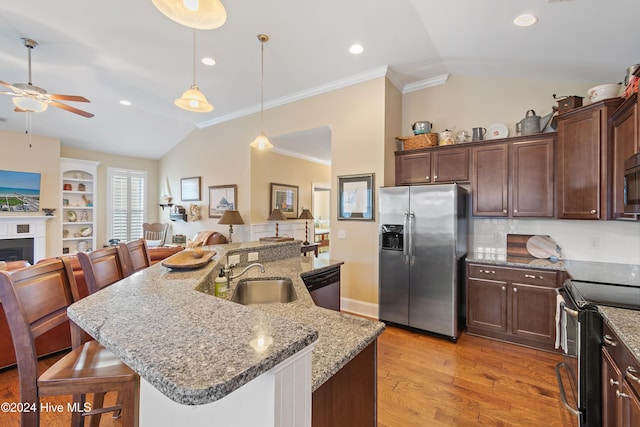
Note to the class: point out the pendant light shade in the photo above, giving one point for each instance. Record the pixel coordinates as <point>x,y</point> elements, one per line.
<point>199,14</point>
<point>192,99</point>
<point>262,142</point>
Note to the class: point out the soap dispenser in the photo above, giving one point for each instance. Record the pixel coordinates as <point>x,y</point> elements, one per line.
<point>221,285</point>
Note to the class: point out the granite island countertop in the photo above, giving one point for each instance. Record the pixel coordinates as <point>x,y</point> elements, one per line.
<point>196,348</point>
<point>625,323</point>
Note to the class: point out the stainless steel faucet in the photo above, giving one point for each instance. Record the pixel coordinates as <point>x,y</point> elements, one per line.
<point>227,270</point>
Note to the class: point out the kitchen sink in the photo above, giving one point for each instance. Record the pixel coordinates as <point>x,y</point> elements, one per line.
<point>264,291</point>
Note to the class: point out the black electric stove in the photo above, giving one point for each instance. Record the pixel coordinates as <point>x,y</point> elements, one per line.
<point>586,294</point>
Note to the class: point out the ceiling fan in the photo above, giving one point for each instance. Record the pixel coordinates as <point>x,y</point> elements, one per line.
<point>34,99</point>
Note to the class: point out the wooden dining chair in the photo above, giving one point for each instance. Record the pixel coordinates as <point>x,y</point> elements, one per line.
<point>102,267</point>
<point>35,300</point>
<point>135,255</point>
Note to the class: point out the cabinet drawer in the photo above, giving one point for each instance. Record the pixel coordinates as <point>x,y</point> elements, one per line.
<point>516,275</point>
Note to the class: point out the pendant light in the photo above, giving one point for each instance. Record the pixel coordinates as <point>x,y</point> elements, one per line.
<point>192,99</point>
<point>262,142</point>
<point>199,14</point>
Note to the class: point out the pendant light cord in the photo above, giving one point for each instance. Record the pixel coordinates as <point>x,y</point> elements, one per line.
<point>194,56</point>
<point>262,87</point>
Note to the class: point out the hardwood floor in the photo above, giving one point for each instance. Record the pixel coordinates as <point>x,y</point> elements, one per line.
<point>423,381</point>
<point>427,381</point>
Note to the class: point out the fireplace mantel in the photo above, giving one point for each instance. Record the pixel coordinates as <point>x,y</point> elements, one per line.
<point>26,227</point>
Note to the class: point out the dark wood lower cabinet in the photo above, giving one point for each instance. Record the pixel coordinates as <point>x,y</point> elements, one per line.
<point>620,382</point>
<point>349,397</point>
<point>513,304</point>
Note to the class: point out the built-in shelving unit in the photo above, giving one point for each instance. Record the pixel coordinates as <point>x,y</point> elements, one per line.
<point>78,217</point>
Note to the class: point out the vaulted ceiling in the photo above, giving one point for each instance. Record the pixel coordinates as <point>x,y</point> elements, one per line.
<point>111,50</point>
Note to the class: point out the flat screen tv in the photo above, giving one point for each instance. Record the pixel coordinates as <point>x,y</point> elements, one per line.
<point>19,191</point>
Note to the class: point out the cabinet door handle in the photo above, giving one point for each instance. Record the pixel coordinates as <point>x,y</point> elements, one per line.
<point>515,290</point>
<point>435,177</point>
<point>593,211</point>
<point>609,341</point>
<point>531,276</point>
<point>632,373</point>
<point>621,394</point>
<point>426,177</point>
<point>504,288</point>
<point>504,211</point>
<point>515,210</point>
<point>487,271</point>
<point>613,382</point>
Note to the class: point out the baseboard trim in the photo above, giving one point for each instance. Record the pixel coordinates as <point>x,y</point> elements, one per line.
<point>358,307</point>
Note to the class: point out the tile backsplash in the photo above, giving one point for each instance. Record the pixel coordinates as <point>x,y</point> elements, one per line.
<point>601,241</point>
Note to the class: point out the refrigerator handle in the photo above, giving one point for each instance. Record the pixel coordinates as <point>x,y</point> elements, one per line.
<point>405,237</point>
<point>411,218</point>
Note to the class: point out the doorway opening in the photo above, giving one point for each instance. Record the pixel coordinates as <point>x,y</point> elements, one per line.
<point>321,202</point>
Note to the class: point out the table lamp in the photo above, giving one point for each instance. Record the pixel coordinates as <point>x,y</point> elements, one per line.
<point>306,215</point>
<point>231,217</point>
<point>277,215</point>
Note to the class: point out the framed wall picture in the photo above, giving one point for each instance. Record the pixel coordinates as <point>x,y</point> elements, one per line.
<point>356,197</point>
<point>222,198</point>
<point>284,197</point>
<point>190,189</point>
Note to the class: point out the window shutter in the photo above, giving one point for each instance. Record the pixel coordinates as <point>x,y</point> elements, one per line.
<point>126,205</point>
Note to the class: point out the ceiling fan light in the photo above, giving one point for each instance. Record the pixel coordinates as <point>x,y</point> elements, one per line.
<point>194,100</point>
<point>199,14</point>
<point>261,142</point>
<point>30,104</point>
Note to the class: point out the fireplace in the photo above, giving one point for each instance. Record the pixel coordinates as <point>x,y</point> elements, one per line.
<point>23,237</point>
<point>16,249</point>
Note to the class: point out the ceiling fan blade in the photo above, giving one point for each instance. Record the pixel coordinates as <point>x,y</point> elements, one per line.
<point>67,97</point>
<point>20,110</point>
<point>6,84</point>
<point>71,109</point>
<point>8,93</point>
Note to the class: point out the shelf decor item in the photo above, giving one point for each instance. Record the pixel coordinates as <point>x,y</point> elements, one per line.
<point>355,197</point>
<point>71,216</point>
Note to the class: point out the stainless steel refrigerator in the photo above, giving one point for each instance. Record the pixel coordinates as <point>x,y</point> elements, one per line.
<point>422,246</point>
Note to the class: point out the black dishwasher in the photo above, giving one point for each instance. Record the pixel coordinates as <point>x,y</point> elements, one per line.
<point>324,288</point>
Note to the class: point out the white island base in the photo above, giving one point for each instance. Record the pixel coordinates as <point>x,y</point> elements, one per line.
<point>281,397</point>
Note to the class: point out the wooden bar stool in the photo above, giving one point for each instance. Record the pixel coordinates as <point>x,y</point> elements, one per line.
<point>135,255</point>
<point>102,267</point>
<point>35,300</point>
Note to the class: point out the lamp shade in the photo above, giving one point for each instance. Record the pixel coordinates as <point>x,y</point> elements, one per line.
<point>194,100</point>
<point>198,14</point>
<point>231,217</point>
<point>306,214</point>
<point>277,215</point>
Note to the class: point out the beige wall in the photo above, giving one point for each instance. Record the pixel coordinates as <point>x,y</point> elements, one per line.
<point>41,154</point>
<point>464,102</point>
<point>221,155</point>
<point>269,167</point>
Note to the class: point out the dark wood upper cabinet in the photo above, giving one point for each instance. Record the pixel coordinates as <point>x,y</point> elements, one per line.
<point>624,144</point>
<point>582,160</point>
<point>532,178</point>
<point>490,180</point>
<point>514,178</point>
<point>432,165</point>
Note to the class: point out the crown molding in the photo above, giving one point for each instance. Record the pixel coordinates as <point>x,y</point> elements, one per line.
<point>423,84</point>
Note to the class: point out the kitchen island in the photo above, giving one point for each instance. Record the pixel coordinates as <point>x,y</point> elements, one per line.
<point>191,348</point>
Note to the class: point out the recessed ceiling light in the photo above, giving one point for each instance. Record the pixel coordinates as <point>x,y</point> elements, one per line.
<point>125,102</point>
<point>356,49</point>
<point>208,61</point>
<point>525,20</point>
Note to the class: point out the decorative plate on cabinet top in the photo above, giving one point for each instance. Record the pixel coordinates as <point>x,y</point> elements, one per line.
<point>497,130</point>
<point>71,216</point>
